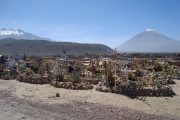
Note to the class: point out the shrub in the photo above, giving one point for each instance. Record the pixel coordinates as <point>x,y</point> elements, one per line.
<point>158,67</point>
<point>132,77</point>
<point>5,73</point>
<point>75,78</point>
<point>5,77</point>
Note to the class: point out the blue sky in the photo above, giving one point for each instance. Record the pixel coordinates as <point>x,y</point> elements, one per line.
<point>109,22</point>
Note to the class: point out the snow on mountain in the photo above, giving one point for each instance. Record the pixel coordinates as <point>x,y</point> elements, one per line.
<point>6,32</point>
<point>18,34</point>
<point>149,30</point>
<point>150,41</point>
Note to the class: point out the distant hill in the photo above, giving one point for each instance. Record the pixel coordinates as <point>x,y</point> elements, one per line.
<point>19,34</point>
<point>11,46</point>
<point>150,41</point>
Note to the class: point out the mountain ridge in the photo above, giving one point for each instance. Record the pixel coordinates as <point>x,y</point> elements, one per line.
<point>50,48</point>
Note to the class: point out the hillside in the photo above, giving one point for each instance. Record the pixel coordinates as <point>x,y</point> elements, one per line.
<point>150,41</point>
<point>48,48</point>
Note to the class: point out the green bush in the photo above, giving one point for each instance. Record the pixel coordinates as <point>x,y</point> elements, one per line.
<point>5,73</point>
<point>131,77</point>
<point>75,78</point>
<point>5,77</point>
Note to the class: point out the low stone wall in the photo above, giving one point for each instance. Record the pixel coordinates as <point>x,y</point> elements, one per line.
<point>132,90</point>
<point>71,85</point>
<point>34,79</point>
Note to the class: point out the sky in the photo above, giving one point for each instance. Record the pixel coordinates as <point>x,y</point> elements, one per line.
<point>109,22</point>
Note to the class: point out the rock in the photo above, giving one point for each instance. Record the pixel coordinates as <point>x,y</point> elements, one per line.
<point>76,88</point>
<point>80,86</point>
<point>116,89</point>
<point>85,88</point>
<point>45,80</point>
<point>170,81</point>
<point>99,84</point>
<point>90,87</point>
<point>64,85</point>
<point>98,88</point>
<point>105,89</point>
<point>60,84</point>
<point>73,87</point>
<point>57,95</point>
<point>20,77</point>
<point>53,83</point>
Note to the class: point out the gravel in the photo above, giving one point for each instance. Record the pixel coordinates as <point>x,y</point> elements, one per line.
<point>14,108</point>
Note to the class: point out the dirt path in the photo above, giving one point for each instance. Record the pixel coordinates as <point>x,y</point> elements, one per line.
<point>20,101</point>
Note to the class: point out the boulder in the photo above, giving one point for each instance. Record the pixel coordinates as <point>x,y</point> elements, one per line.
<point>105,89</point>
<point>57,95</point>
<point>98,88</point>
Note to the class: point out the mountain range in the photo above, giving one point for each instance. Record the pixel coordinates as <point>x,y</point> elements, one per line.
<point>150,41</point>
<point>15,41</point>
<point>19,34</point>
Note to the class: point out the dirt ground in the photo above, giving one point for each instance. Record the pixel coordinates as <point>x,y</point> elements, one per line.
<point>23,101</point>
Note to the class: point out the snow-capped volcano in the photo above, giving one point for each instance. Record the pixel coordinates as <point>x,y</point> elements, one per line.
<point>150,41</point>
<point>18,34</point>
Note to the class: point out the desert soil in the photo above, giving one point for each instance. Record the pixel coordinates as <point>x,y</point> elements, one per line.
<point>23,101</point>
